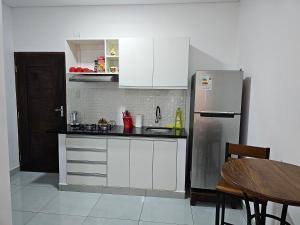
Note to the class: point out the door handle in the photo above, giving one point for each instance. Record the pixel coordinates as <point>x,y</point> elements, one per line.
<point>61,110</point>
<point>218,114</point>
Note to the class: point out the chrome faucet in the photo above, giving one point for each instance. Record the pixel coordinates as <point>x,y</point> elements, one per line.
<point>157,114</point>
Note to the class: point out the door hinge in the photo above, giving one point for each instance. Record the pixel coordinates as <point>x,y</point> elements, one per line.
<point>16,69</point>
<point>18,115</point>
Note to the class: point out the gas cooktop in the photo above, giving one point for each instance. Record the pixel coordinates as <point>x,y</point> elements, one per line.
<point>91,127</point>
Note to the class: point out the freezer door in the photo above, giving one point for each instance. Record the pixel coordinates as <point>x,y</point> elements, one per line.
<point>210,135</point>
<point>217,91</point>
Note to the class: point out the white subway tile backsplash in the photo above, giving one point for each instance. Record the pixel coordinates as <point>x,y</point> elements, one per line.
<point>96,100</point>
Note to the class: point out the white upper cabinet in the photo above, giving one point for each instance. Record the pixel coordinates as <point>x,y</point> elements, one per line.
<point>136,62</point>
<point>171,57</point>
<point>160,63</point>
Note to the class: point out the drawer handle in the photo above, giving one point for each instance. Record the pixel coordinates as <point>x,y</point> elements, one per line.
<point>87,162</point>
<point>87,174</point>
<point>86,150</point>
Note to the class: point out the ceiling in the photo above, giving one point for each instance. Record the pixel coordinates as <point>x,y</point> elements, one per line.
<point>37,3</point>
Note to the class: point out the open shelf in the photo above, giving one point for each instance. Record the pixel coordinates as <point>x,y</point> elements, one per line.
<point>94,78</point>
<point>113,57</point>
<point>83,53</point>
<point>92,73</point>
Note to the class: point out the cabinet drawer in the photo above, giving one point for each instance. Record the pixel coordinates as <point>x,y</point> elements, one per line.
<point>86,180</point>
<point>86,168</point>
<point>86,156</point>
<point>92,143</point>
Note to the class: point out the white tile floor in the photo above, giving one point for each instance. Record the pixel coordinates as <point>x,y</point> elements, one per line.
<point>36,201</point>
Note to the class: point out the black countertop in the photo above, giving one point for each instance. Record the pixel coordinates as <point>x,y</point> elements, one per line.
<point>120,131</point>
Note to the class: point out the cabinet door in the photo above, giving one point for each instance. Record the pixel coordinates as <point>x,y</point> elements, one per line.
<point>118,162</point>
<point>141,156</point>
<point>171,60</point>
<point>164,165</point>
<point>135,62</point>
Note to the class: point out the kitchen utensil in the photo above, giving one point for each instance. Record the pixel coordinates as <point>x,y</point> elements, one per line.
<point>138,120</point>
<point>113,69</point>
<point>74,118</point>
<point>127,120</point>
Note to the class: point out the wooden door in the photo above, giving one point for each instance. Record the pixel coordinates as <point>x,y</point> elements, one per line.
<point>136,62</point>
<point>40,87</point>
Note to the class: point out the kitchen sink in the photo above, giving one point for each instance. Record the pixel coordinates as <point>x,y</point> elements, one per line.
<point>158,129</point>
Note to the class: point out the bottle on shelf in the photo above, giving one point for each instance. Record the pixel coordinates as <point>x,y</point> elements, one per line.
<point>101,64</point>
<point>178,119</point>
<point>96,66</point>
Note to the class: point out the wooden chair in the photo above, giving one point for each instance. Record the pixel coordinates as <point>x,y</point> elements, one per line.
<point>234,151</point>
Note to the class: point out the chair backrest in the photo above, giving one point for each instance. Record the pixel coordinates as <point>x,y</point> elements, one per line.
<point>243,151</point>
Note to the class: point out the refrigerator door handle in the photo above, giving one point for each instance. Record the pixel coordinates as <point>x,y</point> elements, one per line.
<point>218,114</point>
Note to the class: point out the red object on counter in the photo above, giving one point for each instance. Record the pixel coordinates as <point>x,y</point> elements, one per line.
<point>127,120</point>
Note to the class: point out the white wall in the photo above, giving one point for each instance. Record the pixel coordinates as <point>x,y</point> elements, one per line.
<point>270,54</point>
<point>5,201</point>
<point>10,88</point>
<point>212,28</point>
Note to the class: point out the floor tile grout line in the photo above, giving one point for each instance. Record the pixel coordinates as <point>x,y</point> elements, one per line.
<point>191,208</point>
<point>109,218</point>
<point>98,200</point>
<point>161,222</point>
<point>31,219</point>
<point>53,213</point>
<point>48,202</point>
<point>144,200</point>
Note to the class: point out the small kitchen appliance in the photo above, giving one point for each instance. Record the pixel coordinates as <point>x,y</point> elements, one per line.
<point>74,118</point>
<point>138,120</point>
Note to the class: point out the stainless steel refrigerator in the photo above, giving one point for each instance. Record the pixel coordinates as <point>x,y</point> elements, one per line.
<point>215,119</point>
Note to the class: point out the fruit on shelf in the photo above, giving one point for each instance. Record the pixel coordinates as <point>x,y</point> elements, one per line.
<point>80,70</point>
<point>72,69</point>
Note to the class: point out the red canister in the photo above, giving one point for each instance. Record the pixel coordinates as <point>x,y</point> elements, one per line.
<point>127,120</point>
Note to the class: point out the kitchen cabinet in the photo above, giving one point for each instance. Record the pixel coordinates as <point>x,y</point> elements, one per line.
<point>82,53</point>
<point>141,156</point>
<point>123,162</point>
<point>118,162</point>
<point>160,63</point>
<point>165,165</point>
<point>171,57</point>
<point>136,62</point>
<point>86,160</point>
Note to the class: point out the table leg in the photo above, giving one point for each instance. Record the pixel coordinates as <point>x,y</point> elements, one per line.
<point>248,209</point>
<point>257,213</point>
<point>263,213</point>
<point>283,215</point>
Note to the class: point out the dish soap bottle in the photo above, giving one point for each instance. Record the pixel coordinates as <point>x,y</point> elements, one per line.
<point>178,119</point>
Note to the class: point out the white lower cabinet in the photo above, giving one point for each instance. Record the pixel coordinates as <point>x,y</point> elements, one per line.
<point>86,180</point>
<point>165,165</point>
<point>118,162</point>
<point>141,156</point>
<point>143,163</point>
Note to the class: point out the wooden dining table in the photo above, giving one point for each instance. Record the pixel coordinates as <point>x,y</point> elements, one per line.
<point>264,181</point>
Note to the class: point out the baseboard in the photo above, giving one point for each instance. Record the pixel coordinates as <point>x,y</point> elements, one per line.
<point>14,171</point>
<point>122,191</point>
